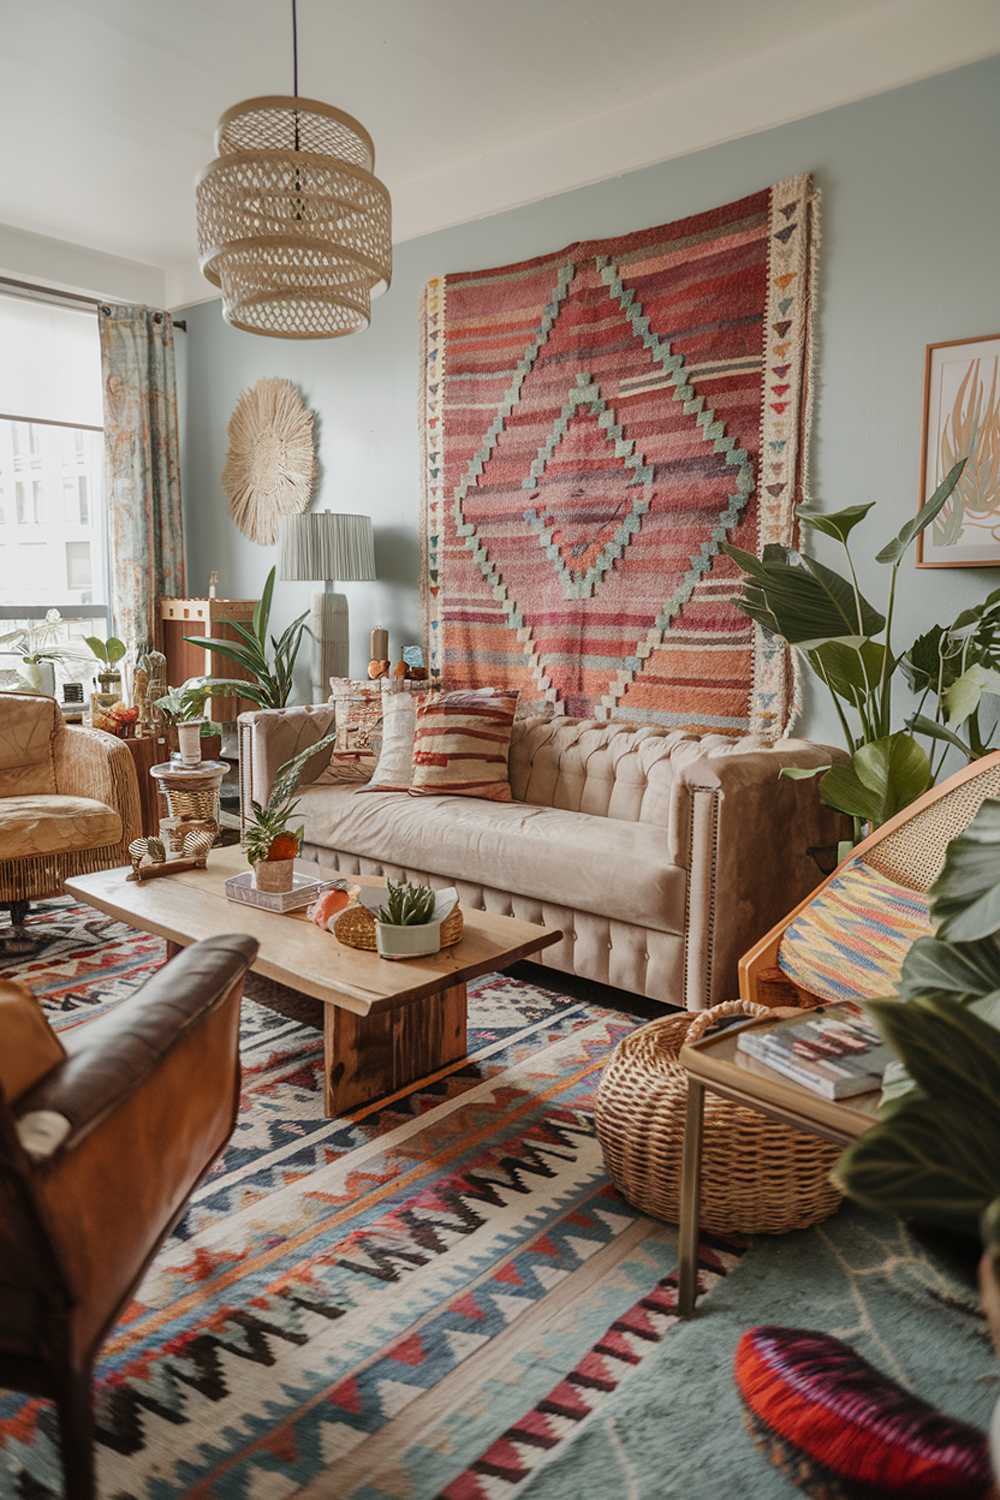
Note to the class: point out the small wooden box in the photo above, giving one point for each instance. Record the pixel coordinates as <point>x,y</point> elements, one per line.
<point>213,617</point>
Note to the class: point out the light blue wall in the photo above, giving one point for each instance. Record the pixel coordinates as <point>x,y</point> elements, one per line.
<point>911,230</point>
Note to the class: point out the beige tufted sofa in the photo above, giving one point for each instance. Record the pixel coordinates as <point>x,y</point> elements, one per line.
<point>661,855</point>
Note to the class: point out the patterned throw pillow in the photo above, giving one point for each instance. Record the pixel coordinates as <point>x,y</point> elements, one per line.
<point>461,745</point>
<point>395,761</point>
<point>837,1428</point>
<point>851,940</point>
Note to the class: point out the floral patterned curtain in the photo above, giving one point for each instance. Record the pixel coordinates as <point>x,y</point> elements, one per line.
<point>142,468</point>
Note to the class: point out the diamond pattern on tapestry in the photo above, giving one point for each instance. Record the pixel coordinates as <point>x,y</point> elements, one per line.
<point>595,424</point>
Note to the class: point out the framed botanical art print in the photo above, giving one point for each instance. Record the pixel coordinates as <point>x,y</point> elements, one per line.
<point>962,417</point>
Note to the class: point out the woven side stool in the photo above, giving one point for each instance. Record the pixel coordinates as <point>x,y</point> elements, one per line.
<point>758,1175</point>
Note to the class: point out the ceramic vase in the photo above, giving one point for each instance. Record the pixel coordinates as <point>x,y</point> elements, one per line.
<point>38,676</point>
<point>407,942</point>
<point>189,743</point>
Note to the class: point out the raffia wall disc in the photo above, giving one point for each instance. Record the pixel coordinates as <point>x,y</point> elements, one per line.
<point>271,463</point>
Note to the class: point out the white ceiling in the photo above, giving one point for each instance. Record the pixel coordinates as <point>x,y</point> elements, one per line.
<point>108,107</point>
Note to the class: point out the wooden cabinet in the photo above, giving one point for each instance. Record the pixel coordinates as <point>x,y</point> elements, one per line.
<point>211,617</point>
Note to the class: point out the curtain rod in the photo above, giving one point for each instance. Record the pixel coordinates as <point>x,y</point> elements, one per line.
<point>54,293</point>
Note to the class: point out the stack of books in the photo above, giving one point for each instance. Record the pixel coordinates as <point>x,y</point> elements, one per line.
<point>835,1051</point>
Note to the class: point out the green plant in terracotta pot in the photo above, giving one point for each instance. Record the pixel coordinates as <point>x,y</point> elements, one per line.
<point>269,841</point>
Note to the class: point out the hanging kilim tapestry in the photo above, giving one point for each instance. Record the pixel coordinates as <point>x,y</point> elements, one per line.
<point>596,423</point>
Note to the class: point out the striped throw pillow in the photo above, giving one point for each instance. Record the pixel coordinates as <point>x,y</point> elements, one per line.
<point>850,942</point>
<point>461,745</point>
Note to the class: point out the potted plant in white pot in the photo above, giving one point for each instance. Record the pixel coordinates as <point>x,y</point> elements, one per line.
<point>39,649</point>
<point>408,919</point>
<point>184,708</point>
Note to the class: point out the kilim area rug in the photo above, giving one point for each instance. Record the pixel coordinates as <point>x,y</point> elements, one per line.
<point>442,1296</point>
<point>596,423</point>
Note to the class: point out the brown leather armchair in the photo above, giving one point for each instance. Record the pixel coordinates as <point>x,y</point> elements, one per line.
<point>97,1161</point>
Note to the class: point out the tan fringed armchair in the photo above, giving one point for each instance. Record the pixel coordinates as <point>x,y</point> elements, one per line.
<point>69,801</point>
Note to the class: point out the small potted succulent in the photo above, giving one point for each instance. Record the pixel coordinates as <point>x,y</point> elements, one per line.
<point>270,844</point>
<point>408,920</point>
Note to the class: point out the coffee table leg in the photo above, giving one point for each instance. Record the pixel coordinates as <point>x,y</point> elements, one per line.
<point>687,1289</point>
<point>366,1057</point>
<point>172,949</point>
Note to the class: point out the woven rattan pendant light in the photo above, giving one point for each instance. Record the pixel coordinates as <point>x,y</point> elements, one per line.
<point>293,225</point>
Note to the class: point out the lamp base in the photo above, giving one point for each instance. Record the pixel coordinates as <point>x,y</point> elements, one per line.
<point>331,651</point>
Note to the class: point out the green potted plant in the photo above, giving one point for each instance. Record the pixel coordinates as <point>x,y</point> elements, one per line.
<point>109,653</point>
<point>270,843</point>
<point>271,665</point>
<point>39,649</point>
<point>847,643</point>
<point>408,920</point>
<point>184,708</point>
<point>934,1156</point>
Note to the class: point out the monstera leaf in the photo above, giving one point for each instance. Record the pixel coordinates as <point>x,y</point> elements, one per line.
<point>802,600</point>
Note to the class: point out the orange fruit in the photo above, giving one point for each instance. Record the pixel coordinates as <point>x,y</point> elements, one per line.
<point>284,846</point>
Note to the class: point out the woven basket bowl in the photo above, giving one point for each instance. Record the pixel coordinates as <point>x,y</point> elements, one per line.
<point>757,1176</point>
<point>355,927</point>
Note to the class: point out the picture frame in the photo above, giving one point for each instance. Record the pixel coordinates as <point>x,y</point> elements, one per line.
<point>962,407</point>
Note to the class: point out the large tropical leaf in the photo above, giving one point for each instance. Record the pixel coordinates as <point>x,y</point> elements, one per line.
<point>883,777</point>
<point>251,661</point>
<point>851,671</point>
<point>969,972</point>
<point>219,687</point>
<point>921,724</point>
<point>836,523</point>
<point>965,898</point>
<point>893,551</point>
<point>925,1162</point>
<point>962,697</point>
<point>802,601</point>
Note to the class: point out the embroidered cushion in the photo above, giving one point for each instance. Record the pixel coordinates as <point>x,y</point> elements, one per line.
<point>850,941</point>
<point>461,745</point>
<point>837,1428</point>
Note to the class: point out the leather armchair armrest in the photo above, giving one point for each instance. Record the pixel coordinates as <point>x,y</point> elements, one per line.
<point>90,763</point>
<point>151,1092</point>
<point>117,1055</point>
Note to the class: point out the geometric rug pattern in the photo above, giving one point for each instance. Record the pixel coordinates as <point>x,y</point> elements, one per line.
<point>441,1294</point>
<point>597,422</point>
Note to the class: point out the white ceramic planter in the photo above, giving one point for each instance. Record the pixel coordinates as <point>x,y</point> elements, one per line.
<point>407,942</point>
<point>39,676</point>
<point>189,743</point>
<point>276,875</point>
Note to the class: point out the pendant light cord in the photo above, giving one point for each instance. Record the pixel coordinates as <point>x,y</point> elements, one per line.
<point>295,48</point>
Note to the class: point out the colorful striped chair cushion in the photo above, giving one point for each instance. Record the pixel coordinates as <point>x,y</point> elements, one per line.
<point>850,941</point>
<point>462,743</point>
<point>839,1430</point>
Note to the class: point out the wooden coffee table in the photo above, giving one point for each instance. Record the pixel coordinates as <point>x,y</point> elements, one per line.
<point>717,1064</point>
<point>385,1024</point>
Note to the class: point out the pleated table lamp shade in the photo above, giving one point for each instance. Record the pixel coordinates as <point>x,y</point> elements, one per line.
<point>328,546</point>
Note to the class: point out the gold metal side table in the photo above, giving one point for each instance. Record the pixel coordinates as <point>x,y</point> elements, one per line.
<point>715,1063</point>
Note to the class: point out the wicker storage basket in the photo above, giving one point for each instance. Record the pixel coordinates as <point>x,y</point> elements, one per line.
<point>758,1176</point>
<point>356,928</point>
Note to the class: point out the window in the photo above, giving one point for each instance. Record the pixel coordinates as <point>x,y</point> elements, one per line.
<point>51,446</point>
<point>53,535</point>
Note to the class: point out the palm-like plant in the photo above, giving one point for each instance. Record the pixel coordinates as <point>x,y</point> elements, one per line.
<point>267,835</point>
<point>271,681</point>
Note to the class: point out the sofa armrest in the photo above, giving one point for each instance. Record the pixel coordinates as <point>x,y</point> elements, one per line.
<point>150,1091</point>
<point>90,763</point>
<point>743,832</point>
<point>270,736</point>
